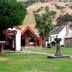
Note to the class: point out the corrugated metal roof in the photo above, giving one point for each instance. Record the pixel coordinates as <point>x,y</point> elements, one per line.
<point>56,30</point>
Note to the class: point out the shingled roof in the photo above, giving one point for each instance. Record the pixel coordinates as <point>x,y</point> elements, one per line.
<point>56,30</point>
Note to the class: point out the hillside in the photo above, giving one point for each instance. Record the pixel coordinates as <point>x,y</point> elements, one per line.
<point>29,20</point>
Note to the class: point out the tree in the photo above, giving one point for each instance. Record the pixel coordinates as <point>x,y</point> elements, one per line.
<point>44,23</point>
<point>12,13</point>
<point>61,20</point>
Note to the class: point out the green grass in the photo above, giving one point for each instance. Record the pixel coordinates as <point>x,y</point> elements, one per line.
<point>14,62</point>
<point>44,50</point>
<point>67,51</point>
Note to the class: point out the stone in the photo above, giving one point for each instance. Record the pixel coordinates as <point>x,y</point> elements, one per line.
<point>63,56</point>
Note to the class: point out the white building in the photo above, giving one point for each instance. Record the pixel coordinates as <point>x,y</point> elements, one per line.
<point>59,32</point>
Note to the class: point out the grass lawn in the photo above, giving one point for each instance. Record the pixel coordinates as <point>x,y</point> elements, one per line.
<point>67,51</point>
<point>13,62</point>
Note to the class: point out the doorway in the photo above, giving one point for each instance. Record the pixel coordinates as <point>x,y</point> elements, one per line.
<point>22,42</point>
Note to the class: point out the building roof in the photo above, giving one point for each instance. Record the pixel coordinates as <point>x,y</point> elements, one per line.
<point>56,30</point>
<point>23,27</point>
<point>35,35</point>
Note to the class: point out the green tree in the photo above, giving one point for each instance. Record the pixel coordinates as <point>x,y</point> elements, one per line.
<point>44,23</point>
<point>12,13</point>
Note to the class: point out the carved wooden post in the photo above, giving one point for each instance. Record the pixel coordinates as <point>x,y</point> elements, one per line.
<point>2,43</point>
<point>1,49</point>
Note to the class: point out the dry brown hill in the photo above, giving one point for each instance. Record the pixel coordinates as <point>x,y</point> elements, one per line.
<point>29,20</point>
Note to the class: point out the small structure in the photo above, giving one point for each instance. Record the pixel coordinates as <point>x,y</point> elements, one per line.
<point>13,39</point>
<point>29,38</point>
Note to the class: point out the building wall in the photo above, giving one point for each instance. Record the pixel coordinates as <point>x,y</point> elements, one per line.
<point>68,38</point>
<point>18,40</point>
<point>68,42</point>
<point>52,37</point>
<point>62,35</point>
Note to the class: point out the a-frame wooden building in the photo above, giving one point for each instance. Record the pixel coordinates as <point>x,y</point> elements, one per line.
<point>29,38</point>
